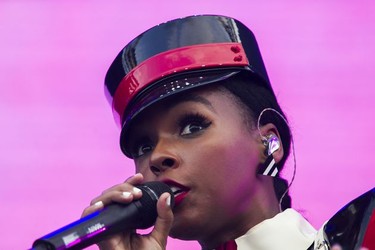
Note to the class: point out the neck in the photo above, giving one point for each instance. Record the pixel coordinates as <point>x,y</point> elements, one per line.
<point>264,206</point>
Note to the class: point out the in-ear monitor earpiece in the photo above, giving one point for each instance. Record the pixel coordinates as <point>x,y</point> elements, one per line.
<point>272,144</point>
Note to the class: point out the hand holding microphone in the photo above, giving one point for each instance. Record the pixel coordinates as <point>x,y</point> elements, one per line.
<point>113,227</point>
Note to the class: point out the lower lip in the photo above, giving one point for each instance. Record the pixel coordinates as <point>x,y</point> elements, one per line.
<point>179,198</point>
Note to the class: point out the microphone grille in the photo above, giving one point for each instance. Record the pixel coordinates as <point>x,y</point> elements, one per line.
<point>151,193</point>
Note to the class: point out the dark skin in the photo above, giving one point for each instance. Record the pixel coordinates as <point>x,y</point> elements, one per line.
<point>203,143</point>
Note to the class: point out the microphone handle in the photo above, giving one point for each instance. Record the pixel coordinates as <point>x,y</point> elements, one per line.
<point>92,228</point>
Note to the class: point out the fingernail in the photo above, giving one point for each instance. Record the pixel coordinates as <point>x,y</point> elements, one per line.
<point>136,190</point>
<point>168,201</point>
<point>99,204</point>
<point>133,176</point>
<point>126,194</point>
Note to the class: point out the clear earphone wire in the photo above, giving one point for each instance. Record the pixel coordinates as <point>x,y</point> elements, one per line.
<point>293,150</point>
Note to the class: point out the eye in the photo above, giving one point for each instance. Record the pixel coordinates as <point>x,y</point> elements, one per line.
<point>191,129</point>
<point>191,124</point>
<point>141,149</point>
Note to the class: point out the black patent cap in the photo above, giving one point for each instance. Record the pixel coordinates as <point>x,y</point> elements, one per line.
<point>176,56</point>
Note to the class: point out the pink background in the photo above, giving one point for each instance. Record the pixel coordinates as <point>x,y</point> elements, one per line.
<point>59,143</point>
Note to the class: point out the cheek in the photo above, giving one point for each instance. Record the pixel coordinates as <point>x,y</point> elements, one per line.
<point>228,173</point>
<point>227,158</point>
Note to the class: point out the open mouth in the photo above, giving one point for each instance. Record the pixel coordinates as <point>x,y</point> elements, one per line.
<point>178,190</point>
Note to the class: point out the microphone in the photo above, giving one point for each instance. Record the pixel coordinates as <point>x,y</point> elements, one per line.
<point>115,218</point>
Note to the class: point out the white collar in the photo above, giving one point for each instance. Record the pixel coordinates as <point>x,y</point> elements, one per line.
<point>286,231</point>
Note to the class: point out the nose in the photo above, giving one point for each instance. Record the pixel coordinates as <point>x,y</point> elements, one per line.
<point>163,157</point>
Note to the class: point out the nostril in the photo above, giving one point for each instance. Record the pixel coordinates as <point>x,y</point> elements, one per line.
<point>168,162</point>
<point>155,170</point>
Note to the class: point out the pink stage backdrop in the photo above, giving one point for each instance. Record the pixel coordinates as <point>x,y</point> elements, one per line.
<point>59,143</point>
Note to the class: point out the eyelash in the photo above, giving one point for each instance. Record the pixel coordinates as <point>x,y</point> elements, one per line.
<point>137,146</point>
<point>193,119</point>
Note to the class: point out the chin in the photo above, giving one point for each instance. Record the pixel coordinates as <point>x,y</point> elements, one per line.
<point>185,231</point>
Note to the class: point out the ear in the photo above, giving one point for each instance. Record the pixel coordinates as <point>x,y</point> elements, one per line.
<point>266,131</point>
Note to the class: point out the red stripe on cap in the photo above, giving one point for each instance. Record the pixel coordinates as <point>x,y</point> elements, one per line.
<point>194,57</point>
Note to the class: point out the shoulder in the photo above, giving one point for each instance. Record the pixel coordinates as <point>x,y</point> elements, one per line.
<point>285,231</point>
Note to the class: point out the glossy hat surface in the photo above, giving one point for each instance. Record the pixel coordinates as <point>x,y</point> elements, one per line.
<point>178,55</point>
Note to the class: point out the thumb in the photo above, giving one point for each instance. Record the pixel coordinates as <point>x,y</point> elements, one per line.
<point>164,220</point>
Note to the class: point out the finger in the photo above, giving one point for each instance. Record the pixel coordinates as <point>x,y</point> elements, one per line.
<point>93,208</point>
<point>135,179</point>
<point>164,220</point>
<point>124,194</point>
<point>127,184</point>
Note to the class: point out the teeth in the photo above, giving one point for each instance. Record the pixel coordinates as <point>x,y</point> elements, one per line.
<point>175,190</point>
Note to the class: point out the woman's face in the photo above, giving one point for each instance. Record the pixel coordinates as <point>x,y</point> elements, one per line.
<point>200,143</point>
